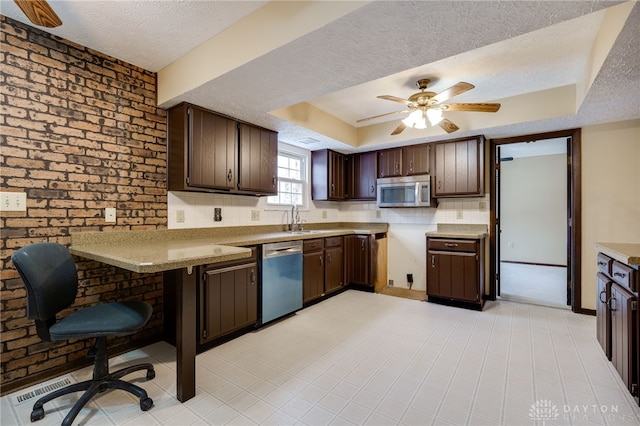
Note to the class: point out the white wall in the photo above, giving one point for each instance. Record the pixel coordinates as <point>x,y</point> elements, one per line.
<point>407,227</point>
<point>533,209</point>
<point>610,194</point>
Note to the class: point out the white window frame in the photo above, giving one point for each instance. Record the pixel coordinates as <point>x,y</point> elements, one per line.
<point>305,160</point>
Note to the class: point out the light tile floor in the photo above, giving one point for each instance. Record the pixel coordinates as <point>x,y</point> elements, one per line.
<point>537,284</point>
<point>362,358</point>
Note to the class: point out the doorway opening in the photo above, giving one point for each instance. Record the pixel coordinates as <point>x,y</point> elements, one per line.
<point>535,216</point>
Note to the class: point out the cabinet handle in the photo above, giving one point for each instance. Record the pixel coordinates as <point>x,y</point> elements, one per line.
<point>321,260</point>
<point>229,175</point>
<point>362,245</point>
<point>451,244</point>
<point>373,189</point>
<point>605,295</point>
<point>397,167</point>
<point>609,303</point>
<point>273,180</point>
<point>601,263</point>
<point>619,274</point>
<point>333,189</point>
<point>328,258</point>
<point>439,184</point>
<point>252,277</point>
<point>411,165</point>
<point>433,261</point>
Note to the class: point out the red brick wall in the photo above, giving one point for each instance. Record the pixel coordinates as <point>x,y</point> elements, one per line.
<point>80,131</point>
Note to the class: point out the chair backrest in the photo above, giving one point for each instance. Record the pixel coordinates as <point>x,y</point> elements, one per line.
<point>51,278</point>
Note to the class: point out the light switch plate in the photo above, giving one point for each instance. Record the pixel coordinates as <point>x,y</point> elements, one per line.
<point>179,216</point>
<point>110,214</point>
<point>13,201</point>
<point>255,215</point>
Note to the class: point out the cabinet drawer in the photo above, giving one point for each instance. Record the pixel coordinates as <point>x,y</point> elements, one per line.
<point>333,242</point>
<point>624,275</point>
<point>452,245</point>
<point>604,263</point>
<point>312,245</point>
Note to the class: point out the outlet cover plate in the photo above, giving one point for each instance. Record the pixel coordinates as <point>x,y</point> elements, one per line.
<point>110,214</point>
<point>13,201</point>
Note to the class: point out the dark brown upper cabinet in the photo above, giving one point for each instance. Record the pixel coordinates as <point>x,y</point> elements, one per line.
<point>258,152</point>
<point>390,162</point>
<point>361,176</point>
<point>459,168</point>
<point>416,160</point>
<point>202,150</point>
<point>327,175</point>
<point>206,154</point>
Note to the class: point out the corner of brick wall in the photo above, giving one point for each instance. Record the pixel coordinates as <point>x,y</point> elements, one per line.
<point>80,131</point>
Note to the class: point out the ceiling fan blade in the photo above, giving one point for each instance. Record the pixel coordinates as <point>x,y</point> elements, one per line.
<point>399,129</point>
<point>448,126</point>
<point>452,91</point>
<point>381,115</point>
<point>479,107</point>
<point>395,99</point>
<point>39,12</point>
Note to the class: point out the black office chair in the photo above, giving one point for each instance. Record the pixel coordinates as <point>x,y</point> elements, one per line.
<point>51,278</point>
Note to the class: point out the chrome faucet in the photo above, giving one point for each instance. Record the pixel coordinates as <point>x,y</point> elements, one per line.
<point>295,218</point>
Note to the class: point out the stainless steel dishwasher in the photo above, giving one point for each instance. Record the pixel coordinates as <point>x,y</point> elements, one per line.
<point>281,279</point>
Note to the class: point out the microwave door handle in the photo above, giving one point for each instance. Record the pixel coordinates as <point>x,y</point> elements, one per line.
<point>417,193</point>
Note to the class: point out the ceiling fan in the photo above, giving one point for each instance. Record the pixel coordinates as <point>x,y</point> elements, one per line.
<point>428,107</point>
<point>39,13</point>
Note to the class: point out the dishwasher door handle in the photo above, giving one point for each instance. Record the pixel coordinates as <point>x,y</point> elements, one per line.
<point>282,251</point>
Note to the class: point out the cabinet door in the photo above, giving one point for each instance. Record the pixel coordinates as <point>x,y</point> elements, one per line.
<point>312,275</point>
<point>453,276</point>
<point>459,168</point>
<point>357,258</point>
<point>258,151</point>
<point>603,315</point>
<point>327,175</point>
<point>228,300</point>
<point>623,334</point>
<point>212,150</point>
<point>416,160</point>
<point>334,269</point>
<point>390,162</point>
<point>337,184</point>
<point>361,176</point>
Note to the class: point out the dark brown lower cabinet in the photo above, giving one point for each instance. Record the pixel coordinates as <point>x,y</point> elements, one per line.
<point>312,269</point>
<point>334,264</point>
<point>228,297</point>
<point>623,306</point>
<point>455,270</point>
<point>603,313</point>
<point>357,259</point>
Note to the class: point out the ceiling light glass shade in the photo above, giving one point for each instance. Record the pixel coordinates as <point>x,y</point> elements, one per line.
<point>434,115</point>
<point>417,119</point>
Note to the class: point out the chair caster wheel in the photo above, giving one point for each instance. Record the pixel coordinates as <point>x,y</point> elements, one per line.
<point>37,414</point>
<point>146,403</point>
<point>151,374</point>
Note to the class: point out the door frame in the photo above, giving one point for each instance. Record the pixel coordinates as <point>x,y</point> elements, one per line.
<point>574,203</point>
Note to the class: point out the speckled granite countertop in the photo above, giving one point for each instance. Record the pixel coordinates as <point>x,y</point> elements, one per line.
<point>167,249</point>
<point>455,230</point>
<point>628,253</point>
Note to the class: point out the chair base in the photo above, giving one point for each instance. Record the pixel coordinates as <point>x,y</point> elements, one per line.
<point>102,380</point>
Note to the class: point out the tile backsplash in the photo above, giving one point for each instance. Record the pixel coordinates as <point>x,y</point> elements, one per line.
<point>197,211</point>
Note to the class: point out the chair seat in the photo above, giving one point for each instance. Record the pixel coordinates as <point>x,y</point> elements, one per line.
<point>108,319</point>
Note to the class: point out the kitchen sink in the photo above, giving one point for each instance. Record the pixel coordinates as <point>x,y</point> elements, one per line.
<point>306,232</point>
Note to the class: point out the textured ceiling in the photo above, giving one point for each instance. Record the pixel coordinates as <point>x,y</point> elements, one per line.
<point>505,49</point>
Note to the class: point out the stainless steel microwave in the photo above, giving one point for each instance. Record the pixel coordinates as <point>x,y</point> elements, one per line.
<point>407,191</point>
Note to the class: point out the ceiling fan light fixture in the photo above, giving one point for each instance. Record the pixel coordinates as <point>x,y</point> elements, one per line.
<point>434,116</point>
<point>417,119</point>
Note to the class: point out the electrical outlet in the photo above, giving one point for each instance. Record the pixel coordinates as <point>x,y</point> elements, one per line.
<point>324,214</point>
<point>459,214</point>
<point>482,206</point>
<point>179,216</point>
<point>378,214</point>
<point>110,214</point>
<point>390,283</point>
<point>217,214</point>
<point>13,201</point>
<point>511,245</point>
<point>255,214</point>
